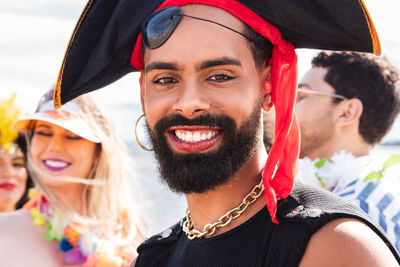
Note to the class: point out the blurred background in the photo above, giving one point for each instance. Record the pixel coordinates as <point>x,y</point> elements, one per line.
<point>33,38</point>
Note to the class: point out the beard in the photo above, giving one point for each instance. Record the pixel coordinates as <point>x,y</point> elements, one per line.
<point>201,172</point>
<point>315,134</point>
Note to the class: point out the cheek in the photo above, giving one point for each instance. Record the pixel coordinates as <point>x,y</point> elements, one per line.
<point>299,112</point>
<point>306,111</point>
<point>85,151</point>
<point>84,154</point>
<point>157,106</point>
<point>36,147</point>
<point>22,177</point>
<point>238,110</point>
<point>312,114</point>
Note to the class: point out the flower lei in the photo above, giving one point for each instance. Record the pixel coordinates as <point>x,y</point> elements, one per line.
<point>335,173</point>
<point>87,250</point>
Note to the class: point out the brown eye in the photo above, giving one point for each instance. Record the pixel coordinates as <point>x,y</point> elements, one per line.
<point>165,80</point>
<point>220,78</point>
<point>18,163</point>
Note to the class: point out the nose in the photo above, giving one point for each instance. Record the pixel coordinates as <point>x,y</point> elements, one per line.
<point>56,143</point>
<point>191,102</point>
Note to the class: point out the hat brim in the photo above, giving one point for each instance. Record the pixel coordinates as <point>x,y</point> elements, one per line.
<point>101,45</point>
<point>74,125</point>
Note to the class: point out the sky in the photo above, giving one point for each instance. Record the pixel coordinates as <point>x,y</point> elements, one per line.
<point>34,35</point>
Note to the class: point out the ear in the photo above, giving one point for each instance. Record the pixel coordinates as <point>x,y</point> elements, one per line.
<point>348,112</point>
<point>266,76</point>
<point>267,88</point>
<point>267,103</point>
<point>142,88</point>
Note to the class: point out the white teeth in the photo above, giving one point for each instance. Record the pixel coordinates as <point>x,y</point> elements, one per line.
<point>196,137</point>
<point>189,137</point>
<point>193,136</point>
<point>55,164</point>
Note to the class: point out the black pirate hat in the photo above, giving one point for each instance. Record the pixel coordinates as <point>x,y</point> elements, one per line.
<point>101,45</point>
<point>106,45</point>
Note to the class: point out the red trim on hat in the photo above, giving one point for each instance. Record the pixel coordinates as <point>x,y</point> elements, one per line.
<point>279,170</point>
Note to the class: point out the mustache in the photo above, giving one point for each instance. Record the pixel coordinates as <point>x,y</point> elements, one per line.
<point>201,172</point>
<point>220,121</point>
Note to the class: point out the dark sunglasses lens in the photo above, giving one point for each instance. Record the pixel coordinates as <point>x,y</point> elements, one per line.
<point>158,26</point>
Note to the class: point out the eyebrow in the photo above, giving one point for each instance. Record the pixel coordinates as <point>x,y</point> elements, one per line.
<point>304,85</point>
<point>219,62</point>
<point>158,65</point>
<point>43,126</point>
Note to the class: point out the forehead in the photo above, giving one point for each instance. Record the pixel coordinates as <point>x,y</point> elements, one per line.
<point>49,125</point>
<point>8,156</point>
<point>314,79</point>
<point>195,39</point>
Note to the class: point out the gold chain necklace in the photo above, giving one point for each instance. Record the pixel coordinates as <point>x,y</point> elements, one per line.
<point>210,228</point>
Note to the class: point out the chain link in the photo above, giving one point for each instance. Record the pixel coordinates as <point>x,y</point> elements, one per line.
<point>210,228</point>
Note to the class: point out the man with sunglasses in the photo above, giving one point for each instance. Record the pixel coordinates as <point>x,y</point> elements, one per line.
<point>346,103</point>
<point>207,69</point>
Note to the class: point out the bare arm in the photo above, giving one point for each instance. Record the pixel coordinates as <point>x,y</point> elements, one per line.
<point>347,242</point>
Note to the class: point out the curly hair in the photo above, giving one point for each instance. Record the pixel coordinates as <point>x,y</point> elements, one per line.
<point>371,79</point>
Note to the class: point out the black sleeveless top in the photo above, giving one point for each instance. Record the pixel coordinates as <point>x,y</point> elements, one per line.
<point>258,241</point>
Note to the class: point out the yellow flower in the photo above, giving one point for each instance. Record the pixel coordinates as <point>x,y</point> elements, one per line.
<point>9,114</point>
<point>38,219</point>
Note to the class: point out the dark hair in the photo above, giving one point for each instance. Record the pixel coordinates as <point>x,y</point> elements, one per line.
<point>371,79</point>
<point>261,47</point>
<point>21,142</point>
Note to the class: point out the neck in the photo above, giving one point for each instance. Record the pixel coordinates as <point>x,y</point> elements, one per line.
<point>72,195</point>
<point>210,206</point>
<point>354,145</point>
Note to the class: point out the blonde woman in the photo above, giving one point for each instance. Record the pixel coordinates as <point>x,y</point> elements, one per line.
<point>78,214</point>
<point>14,180</point>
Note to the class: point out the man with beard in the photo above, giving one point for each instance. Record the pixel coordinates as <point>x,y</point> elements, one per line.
<point>206,74</point>
<point>346,103</point>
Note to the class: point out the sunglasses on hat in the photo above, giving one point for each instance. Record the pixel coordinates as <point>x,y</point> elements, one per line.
<point>158,26</point>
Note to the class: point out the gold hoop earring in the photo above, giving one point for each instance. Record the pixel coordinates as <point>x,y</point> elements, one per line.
<point>270,104</point>
<point>136,136</point>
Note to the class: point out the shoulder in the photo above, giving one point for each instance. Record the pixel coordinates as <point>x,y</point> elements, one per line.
<point>162,239</point>
<point>15,225</point>
<point>338,226</point>
<point>19,233</point>
<point>14,220</point>
<point>315,207</point>
<point>353,242</point>
<point>154,250</point>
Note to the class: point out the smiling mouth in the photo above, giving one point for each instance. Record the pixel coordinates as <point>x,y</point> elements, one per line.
<point>7,186</point>
<point>194,138</point>
<point>55,164</point>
